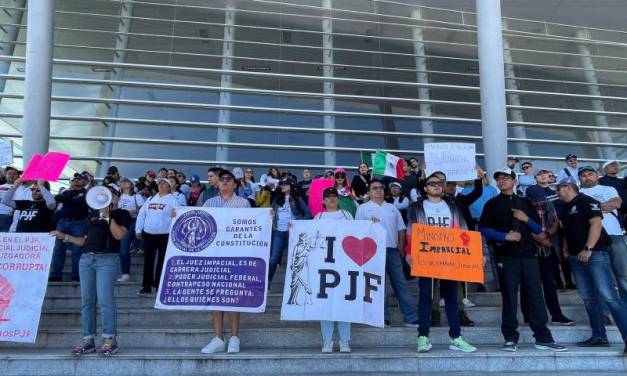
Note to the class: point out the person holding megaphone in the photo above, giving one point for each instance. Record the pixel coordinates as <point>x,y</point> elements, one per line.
<point>98,266</point>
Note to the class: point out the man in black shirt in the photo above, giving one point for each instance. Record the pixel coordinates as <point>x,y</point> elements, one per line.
<point>509,222</point>
<point>305,184</point>
<point>99,263</point>
<point>35,214</point>
<point>73,221</point>
<point>586,246</point>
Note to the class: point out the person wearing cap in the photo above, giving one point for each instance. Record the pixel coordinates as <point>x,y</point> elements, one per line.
<point>586,247</point>
<point>99,265</point>
<point>226,198</point>
<point>287,206</point>
<point>73,221</point>
<point>436,209</point>
<point>610,203</point>
<point>153,227</point>
<point>398,199</point>
<point>512,226</point>
<point>570,170</point>
<point>6,212</point>
<point>113,173</point>
<point>195,190</point>
<point>512,162</point>
<point>36,214</point>
<point>332,212</point>
<point>132,203</point>
<point>377,210</point>
<point>527,178</point>
<point>212,190</point>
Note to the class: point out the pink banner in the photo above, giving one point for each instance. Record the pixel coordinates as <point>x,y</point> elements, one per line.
<point>47,167</point>
<point>315,194</point>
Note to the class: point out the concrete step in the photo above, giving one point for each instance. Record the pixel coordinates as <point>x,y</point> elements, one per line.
<point>300,361</point>
<point>295,337</point>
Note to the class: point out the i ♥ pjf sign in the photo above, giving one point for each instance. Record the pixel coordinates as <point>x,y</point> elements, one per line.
<point>335,271</point>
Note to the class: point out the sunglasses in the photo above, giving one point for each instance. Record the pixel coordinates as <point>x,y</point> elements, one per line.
<point>526,167</point>
<point>339,176</point>
<point>435,184</point>
<point>249,171</point>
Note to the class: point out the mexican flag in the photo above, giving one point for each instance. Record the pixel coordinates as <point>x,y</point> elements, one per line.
<point>388,165</point>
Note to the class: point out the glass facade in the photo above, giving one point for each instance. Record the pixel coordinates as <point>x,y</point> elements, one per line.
<point>295,83</point>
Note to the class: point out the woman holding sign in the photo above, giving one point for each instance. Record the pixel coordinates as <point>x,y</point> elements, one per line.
<point>333,212</point>
<point>433,210</point>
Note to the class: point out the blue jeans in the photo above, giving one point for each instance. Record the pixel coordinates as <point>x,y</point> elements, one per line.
<point>125,248</point>
<point>344,328</point>
<point>72,228</point>
<point>5,222</point>
<point>394,270</point>
<point>618,256</point>
<point>98,275</point>
<point>595,285</point>
<point>449,293</point>
<point>280,240</point>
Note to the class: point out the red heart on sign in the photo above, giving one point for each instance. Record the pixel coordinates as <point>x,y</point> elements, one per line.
<point>359,250</point>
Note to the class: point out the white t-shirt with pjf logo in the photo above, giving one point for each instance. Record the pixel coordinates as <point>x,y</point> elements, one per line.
<point>603,193</point>
<point>438,214</point>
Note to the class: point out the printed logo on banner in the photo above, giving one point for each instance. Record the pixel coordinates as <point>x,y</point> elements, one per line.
<point>6,295</point>
<point>194,230</point>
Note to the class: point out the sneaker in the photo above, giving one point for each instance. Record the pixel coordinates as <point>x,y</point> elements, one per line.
<point>423,344</point>
<point>344,347</point>
<point>459,344</point>
<point>442,304</point>
<point>233,345</point>
<point>146,291</point>
<point>327,347</point>
<point>109,347</point>
<point>468,303</point>
<point>464,320</point>
<point>550,346</point>
<point>563,321</point>
<point>509,346</point>
<point>216,345</point>
<point>594,342</point>
<point>86,346</point>
<point>411,324</point>
<point>124,278</point>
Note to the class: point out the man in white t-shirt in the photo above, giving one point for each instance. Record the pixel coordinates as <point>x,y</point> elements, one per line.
<point>390,218</point>
<point>610,203</point>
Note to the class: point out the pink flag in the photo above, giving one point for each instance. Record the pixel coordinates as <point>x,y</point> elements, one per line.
<point>47,167</point>
<point>315,194</point>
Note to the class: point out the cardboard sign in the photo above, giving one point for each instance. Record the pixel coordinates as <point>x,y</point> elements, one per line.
<point>217,259</point>
<point>6,153</point>
<point>455,159</point>
<point>335,271</point>
<point>46,167</point>
<point>446,253</point>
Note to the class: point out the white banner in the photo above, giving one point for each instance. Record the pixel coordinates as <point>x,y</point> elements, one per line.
<point>24,267</point>
<point>456,160</point>
<point>335,271</point>
<point>217,260</point>
<point>6,153</point>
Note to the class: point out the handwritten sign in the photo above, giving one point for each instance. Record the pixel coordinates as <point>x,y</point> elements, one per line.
<point>46,167</point>
<point>6,153</point>
<point>456,160</point>
<point>446,253</point>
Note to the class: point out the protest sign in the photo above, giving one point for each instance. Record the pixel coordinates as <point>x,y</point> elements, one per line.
<point>217,259</point>
<point>6,152</point>
<point>446,253</point>
<point>335,271</point>
<point>24,267</point>
<point>46,167</point>
<point>315,194</point>
<point>456,160</point>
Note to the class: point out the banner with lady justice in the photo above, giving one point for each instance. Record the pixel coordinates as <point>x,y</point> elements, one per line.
<point>335,271</point>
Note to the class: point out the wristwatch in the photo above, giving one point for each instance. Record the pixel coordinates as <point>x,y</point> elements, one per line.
<point>586,248</point>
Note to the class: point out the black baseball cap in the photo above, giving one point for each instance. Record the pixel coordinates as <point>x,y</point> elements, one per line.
<point>543,171</point>
<point>112,170</point>
<point>585,169</point>
<point>330,191</point>
<point>512,159</point>
<point>569,156</point>
<point>226,173</point>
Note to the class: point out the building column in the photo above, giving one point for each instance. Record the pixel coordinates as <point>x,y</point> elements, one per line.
<point>516,114</point>
<point>10,36</point>
<point>329,85</point>
<point>119,56</point>
<point>492,82</point>
<point>38,78</point>
<point>226,82</point>
<point>422,77</point>
<point>594,90</point>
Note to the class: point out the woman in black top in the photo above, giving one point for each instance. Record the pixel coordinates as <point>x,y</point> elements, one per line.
<point>359,184</point>
<point>98,270</point>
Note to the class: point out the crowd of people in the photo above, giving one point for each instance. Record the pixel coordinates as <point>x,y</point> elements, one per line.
<point>543,231</point>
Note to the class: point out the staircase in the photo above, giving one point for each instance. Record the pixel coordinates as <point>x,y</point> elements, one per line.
<point>154,342</point>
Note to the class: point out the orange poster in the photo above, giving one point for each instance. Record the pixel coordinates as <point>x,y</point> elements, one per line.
<point>446,253</point>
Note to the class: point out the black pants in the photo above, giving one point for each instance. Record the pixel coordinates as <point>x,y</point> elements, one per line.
<point>524,271</point>
<point>547,275</point>
<point>154,249</point>
<point>560,262</point>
